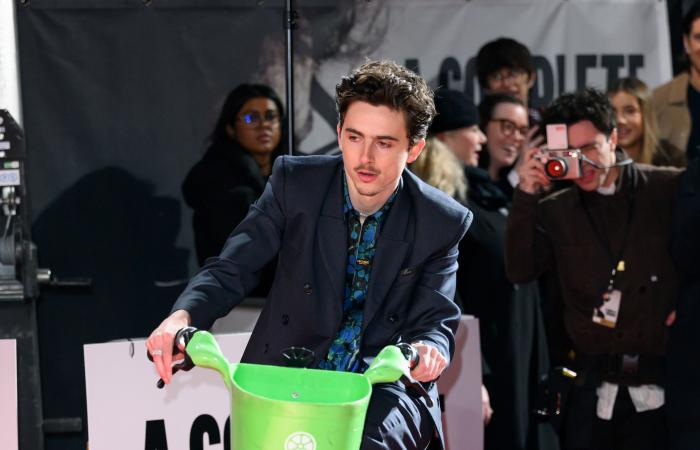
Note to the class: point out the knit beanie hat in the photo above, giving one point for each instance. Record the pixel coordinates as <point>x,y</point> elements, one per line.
<point>454,110</point>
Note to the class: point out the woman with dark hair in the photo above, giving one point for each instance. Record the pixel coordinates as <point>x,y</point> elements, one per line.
<point>512,334</point>
<point>637,129</point>
<point>504,121</point>
<point>513,339</point>
<point>232,173</point>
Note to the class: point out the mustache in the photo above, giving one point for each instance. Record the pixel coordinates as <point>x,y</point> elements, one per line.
<point>367,168</point>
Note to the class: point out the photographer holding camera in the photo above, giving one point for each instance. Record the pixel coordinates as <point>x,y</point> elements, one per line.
<point>607,237</point>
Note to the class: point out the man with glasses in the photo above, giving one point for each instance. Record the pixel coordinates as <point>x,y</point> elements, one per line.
<point>607,236</point>
<point>504,66</point>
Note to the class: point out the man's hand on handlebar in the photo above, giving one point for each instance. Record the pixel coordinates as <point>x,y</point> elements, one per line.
<point>431,363</point>
<point>160,343</point>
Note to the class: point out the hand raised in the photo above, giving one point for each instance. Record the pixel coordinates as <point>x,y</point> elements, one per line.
<point>531,173</point>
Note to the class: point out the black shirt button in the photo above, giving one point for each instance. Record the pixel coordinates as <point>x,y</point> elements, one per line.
<point>393,318</point>
<point>285,319</point>
<point>307,289</point>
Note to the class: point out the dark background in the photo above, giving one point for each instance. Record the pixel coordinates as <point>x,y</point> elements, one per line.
<point>118,97</point>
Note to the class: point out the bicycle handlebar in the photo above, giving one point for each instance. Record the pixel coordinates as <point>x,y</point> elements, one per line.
<point>182,338</point>
<point>299,357</point>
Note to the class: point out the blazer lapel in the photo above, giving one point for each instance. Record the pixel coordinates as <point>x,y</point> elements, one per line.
<point>332,239</point>
<point>392,248</point>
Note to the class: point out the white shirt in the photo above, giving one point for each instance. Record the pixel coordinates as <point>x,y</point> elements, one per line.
<point>645,398</point>
<point>513,178</point>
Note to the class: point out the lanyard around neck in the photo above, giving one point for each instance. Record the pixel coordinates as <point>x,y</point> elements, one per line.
<point>617,263</point>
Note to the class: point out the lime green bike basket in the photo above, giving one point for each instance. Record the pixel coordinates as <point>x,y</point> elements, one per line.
<point>285,408</point>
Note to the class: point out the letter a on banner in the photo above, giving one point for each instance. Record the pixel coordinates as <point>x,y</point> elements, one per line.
<point>155,435</point>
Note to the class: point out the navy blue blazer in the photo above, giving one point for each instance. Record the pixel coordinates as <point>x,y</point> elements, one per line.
<point>299,219</point>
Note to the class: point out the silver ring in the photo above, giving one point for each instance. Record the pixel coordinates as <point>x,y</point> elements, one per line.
<point>157,352</point>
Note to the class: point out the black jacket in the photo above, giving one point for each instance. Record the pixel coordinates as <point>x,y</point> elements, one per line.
<point>220,189</point>
<point>299,219</point>
<point>684,365</point>
<point>556,232</point>
<point>513,341</point>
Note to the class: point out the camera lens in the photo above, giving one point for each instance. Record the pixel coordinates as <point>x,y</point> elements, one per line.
<point>556,168</point>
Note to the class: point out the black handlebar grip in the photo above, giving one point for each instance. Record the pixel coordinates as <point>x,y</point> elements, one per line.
<point>182,338</point>
<point>410,353</point>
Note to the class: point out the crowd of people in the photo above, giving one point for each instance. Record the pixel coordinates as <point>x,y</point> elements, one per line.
<point>595,272</point>
<point>580,273</point>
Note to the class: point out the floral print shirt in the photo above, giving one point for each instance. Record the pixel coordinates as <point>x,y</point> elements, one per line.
<point>344,352</point>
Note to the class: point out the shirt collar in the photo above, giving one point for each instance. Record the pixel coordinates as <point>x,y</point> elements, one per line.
<point>349,209</point>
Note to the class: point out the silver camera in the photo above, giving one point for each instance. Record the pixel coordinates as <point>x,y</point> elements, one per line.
<point>561,164</point>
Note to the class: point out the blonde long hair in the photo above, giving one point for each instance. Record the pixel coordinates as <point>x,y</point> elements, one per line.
<point>440,168</point>
<point>650,137</point>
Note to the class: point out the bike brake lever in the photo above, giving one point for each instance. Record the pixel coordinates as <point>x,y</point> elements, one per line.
<point>184,365</point>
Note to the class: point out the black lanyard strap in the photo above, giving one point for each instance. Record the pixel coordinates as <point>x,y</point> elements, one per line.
<point>603,238</point>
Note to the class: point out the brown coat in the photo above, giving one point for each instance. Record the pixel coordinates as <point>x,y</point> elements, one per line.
<point>670,103</point>
<point>556,232</point>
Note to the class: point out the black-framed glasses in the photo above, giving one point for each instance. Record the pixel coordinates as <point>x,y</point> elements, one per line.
<point>508,127</point>
<point>254,119</point>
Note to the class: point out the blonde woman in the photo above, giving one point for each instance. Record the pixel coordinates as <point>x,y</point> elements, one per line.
<point>637,129</point>
<point>510,319</point>
<point>439,167</point>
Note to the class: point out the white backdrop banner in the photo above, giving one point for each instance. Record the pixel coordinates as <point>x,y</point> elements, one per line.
<point>126,410</point>
<point>460,387</point>
<point>8,395</point>
<point>575,43</point>
<point>9,61</point>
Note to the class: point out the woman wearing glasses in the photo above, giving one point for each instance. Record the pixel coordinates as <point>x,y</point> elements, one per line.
<point>232,173</point>
<point>504,120</point>
<point>513,340</point>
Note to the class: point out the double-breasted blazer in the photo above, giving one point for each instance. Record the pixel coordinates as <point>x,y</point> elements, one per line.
<point>299,219</point>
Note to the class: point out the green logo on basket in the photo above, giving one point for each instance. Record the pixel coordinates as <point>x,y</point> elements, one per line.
<point>300,441</point>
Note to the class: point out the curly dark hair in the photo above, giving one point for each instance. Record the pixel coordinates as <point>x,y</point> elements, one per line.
<point>389,84</point>
<point>502,53</point>
<point>588,104</point>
